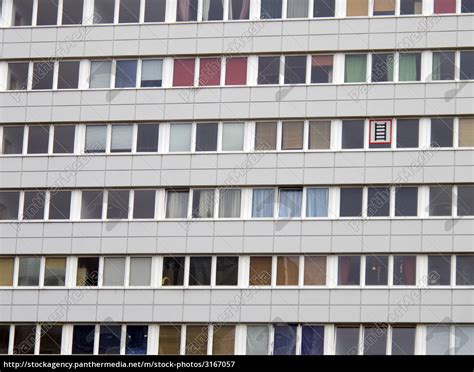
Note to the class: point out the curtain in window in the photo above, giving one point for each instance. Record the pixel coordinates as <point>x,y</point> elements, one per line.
<point>229,203</point>
<point>200,271</point>
<point>314,270</point>
<point>312,340</point>
<point>408,67</point>
<point>209,71</point>
<point>464,336</point>
<point>297,9</point>
<point>236,71</point>
<point>292,136</point>
<point>466,132</point>
<point>357,8</point>
<point>100,74</point>
<point>262,202</point>
<point>436,73</point>
<point>187,10</point>
<point>233,137</point>
<point>203,203</point>
<point>287,270</point>
<point>356,68</point>
<point>55,271</point>
<point>152,73</point>
<point>317,202</point>
<point>180,137</point>
<point>319,135</point>
<point>212,10</point>
<point>183,72</point>
<point>140,271</point>
<point>384,7</point>
<point>227,270</point>
<point>285,340</point>
<point>437,340</point>
<point>28,272</point>
<point>290,203</point>
<point>177,204</point>
<point>170,340</point>
<point>260,271</point>
<point>6,271</point>
<point>114,270</point>
<point>95,138</point>
<point>258,337</point>
<point>223,342</point>
<point>121,138</point>
<point>404,270</point>
<point>444,6</point>
<point>321,69</point>
<point>443,66</point>
<point>239,9</point>
<point>265,136</point>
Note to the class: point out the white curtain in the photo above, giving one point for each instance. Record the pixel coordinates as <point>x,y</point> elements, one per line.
<point>96,136</point>
<point>203,203</point>
<point>317,202</point>
<point>206,7</point>
<point>152,70</point>
<point>114,271</point>
<point>464,340</point>
<point>100,74</point>
<point>28,274</point>
<point>180,137</point>
<point>437,340</point>
<point>298,8</point>
<point>290,203</point>
<point>177,205</point>
<point>140,270</point>
<point>258,337</point>
<point>262,202</point>
<point>233,137</point>
<point>121,138</point>
<point>229,203</point>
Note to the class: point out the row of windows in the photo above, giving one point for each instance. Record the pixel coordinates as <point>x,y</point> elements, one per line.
<point>234,271</point>
<point>230,339</point>
<point>250,70</point>
<point>291,135</point>
<point>67,12</point>
<point>382,201</point>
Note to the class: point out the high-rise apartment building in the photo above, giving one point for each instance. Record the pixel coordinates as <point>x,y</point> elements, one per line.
<point>237,177</point>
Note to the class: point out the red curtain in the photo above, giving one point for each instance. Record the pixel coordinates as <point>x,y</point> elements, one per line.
<point>236,71</point>
<point>244,13</point>
<point>444,6</point>
<point>209,71</point>
<point>345,269</point>
<point>409,273</point>
<point>183,73</point>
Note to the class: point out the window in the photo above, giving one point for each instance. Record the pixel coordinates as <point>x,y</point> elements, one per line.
<point>270,9</point>
<point>121,138</point>
<point>109,339</point>
<point>257,340</point>
<point>292,135</point>
<point>437,339</point>
<point>100,74</point>
<point>233,137</point>
<point>137,340</point>
<point>348,270</point>
<point>260,271</point>
<point>173,271</point>
<point>200,271</point>
<point>351,202</point>
<point>236,70</point>
<point>59,205</point>
<point>223,340</point>
<point>196,340</point>
<point>33,205</point>
<point>407,133</point>
<point>147,137</point>
<point>464,270</point>
<point>22,12</point>
<point>83,339</point>
<point>25,339</point>
<point>409,68</point>
<point>4,338</point>
<point>404,270</point>
<point>104,11</point>
<point>321,69</point>
<point>206,136</point>
<point>51,338</point>
<point>187,10</point>
<point>152,73</point>
<point>203,204</point>
<point>18,76</point>
<point>126,74</point>
<point>265,136</point>
<point>295,69</point>
<point>155,10</point>
<point>55,271</point>
<point>353,134</point>
<point>227,270</point>
<point>170,340</point>
<point>382,67</point>
<point>96,138</point>
<point>284,342</point>
<point>268,70</point>
<point>290,203</point>
<point>403,340</point>
<point>9,205</point>
<point>38,139</point>
<point>144,204</point>
<point>439,270</point>
<point>262,202</point>
<point>114,271</point>
<point>411,7</point>
<point>140,271</point>
<point>443,66</point>
<point>315,270</point>
<point>376,270</point>
<point>239,9</point>
<point>117,204</point>
<point>442,132</point>
<point>64,137</point>
<point>467,6</point>
<point>129,11</point>
<point>375,340</point>
<point>355,68</point>
<point>464,340</point>
<point>319,135</point>
<point>212,10</point>
<point>297,9</point>
<point>183,73</point>
<point>180,137</point>
<point>287,270</point>
<point>324,8</point>
<point>378,202</point>
<point>47,13</point>
<point>43,73</point>
<point>444,6</point>
<point>13,139</point>
<point>384,7</point>
<point>406,201</point>
<point>87,271</point>
<point>465,201</point>
<point>347,340</point>
<point>467,65</point>
<point>72,12</point>
<point>312,340</point>
<point>466,132</point>
<point>229,203</point>
<point>91,206</point>
<point>440,201</point>
<point>6,271</point>
<point>355,8</point>
<point>209,71</point>
<point>177,204</point>
<point>317,200</point>
<point>29,271</point>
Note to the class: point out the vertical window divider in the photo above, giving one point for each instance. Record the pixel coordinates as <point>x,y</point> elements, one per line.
<point>21,204</point>
<point>252,68</point>
<point>100,276</point>
<point>244,267</point>
<point>210,337</point>
<point>245,206</point>
<point>329,345</point>
<point>274,271</point>
<point>29,85</point>
<point>456,132</point>
<point>1,139</point>
<point>390,271</point>
<point>335,194</point>
<point>276,197</point>
<point>16,269</point>
<point>271,339</point>
<point>308,66</point>
<point>428,7</point>
<point>249,136</point>
<point>170,12</point>
<point>363,265</point>
<point>453,270</point>
<point>223,67</point>
<point>426,66</point>
<point>418,340</point>
<point>138,78</point>
<point>301,271</point>
<point>284,10</point>
<point>360,346</point>
<point>425,132</point>
<point>34,16</point>
<point>156,271</point>
<point>105,204</point>
<point>396,63</point>
<point>200,12</point>
<point>160,205</point>
<point>141,18</point>
<point>96,339</point>
<point>393,145</point>
<point>153,339</point>
<point>60,12</point>
<point>225,14</point>
<point>123,339</point>
<point>303,202</point>
<point>72,272</point>
<point>190,204</point>
<point>55,75</point>
<point>281,74</point>
<point>134,138</point>
<point>108,140</point>
<point>187,265</point>
<point>216,202</point>
<point>219,136</point>
<point>298,343</point>
<point>113,71</point>
<point>66,341</point>
<point>422,272</point>
<point>239,347</point>
<point>397,8</point>
<point>389,339</point>
<point>26,133</point>
<point>392,201</point>
<point>421,337</point>
<point>452,339</point>
<point>279,135</point>
<point>131,203</point>
<point>51,139</point>
<point>423,201</point>
<point>11,342</point>
<point>182,348</point>
<point>365,191</point>
<point>37,339</point>
<point>193,137</point>
<point>197,66</point>
<point>47,204</point>
<point>127,272</point>
<point>368,59</point>
<point>256,10</point>
<point>336,135</point>
<point>366,134</point>
<point>311,8</point>
<point>305,135</point>
<point>164,130</point>
<point>213,270</point>
<point>454,202</point>
<point>116,12</point>
<point>75,205</point>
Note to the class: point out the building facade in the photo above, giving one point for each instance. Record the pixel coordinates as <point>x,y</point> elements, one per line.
<point>237,177</point>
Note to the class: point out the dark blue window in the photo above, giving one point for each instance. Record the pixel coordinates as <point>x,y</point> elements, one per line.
<point>137,340</point>
<point>83,339</point>
<point>126,74</point>
<point>312,340</point>
<point>285,340</point>
<point>109,341</point>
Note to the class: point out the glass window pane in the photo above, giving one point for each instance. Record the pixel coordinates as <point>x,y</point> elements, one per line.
<point>200,271</point>
<point>155,10</point>
<point>411,7</point>
<point>104,11</point>
<point>375,340</point>
<point>129,11</point>
<point>13,139</point>
<point>465,200</point>
<point>440,200</point>
<point>353,134</point>
<point>257,340</point>
<point>38,139</point>
<point>33,205</point>
<point>290,202</point>
<point>109,339</point>
<point>322,69</point>
<point>403,340</point>
<point>439,270</point>
<point>268,70</point>
<point>83,339</point>
<point>464,340</point>
<point>4,337</point>
<point>209,71</point>
<point>96,138</point>
<point>140,271</point>
<point>51,338</point>
<point>442,132</point>
<point>260,271</point>
<point>126,74</point>
<point>173,271</point>
<point>466,132</point>
<point>467,6</point>
<point>407,133</point>
<point>29,270</point>
<point>265,136</point>
<point>376,270</point>
<point>144,204</point>
<point>312,340</point>
<point>406,201</point>
<point>384,7</point>
<point>147,137</point>
<point>236,69</point>
<point>292,135</point>
<point>114,271</point>
<point>137,340</point>
<point>404,270</point>
<point>117,204</point>
<point>9,201</point>
<point>233,137</point>
<point>229,203</point>
<point>22,12</point>
<point>227,270</point>
<point>239,9</point>
<point>444,6</point>
<point>55,271</point>
<point>295,69</point>
<point>355,68</point>
<point>297,9</point>
<point>464,270</point>
<point>351,202</point>
<point>43,73</point>
<point>317,200</point>
<point>378,202</point>
<point>223,342</point>
<point>91,206</point>
<point>25,339</point>
<point>287,270</point>
<point>170,340</point>
<point>382,67</point>
<point>270,9</point>
<point>59,205</point>
<point>319,135</point>
<point>87,271</point>
<point>152,73</point>
<point>324,8</point>
<point>180,137</point>
<point>315,270</point>
<point>284,342</point>
<point>203,204</point>
<point>437,340</point>
<point>72,12</point>
<point>68,75</point>
<point>64,137</point>
<point>6,271</point>
<point>186,10</point>
<point>177,204</point>
<point>183,72</point>
<point>443,66</point>
<point>347,340</point>
<point>206,137</point>
<point>18,76</point>
<point>100,74</point>
<point>348,270</point>
<point>196,340</point>
<point>262,202</point>
<point>409,66</point>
